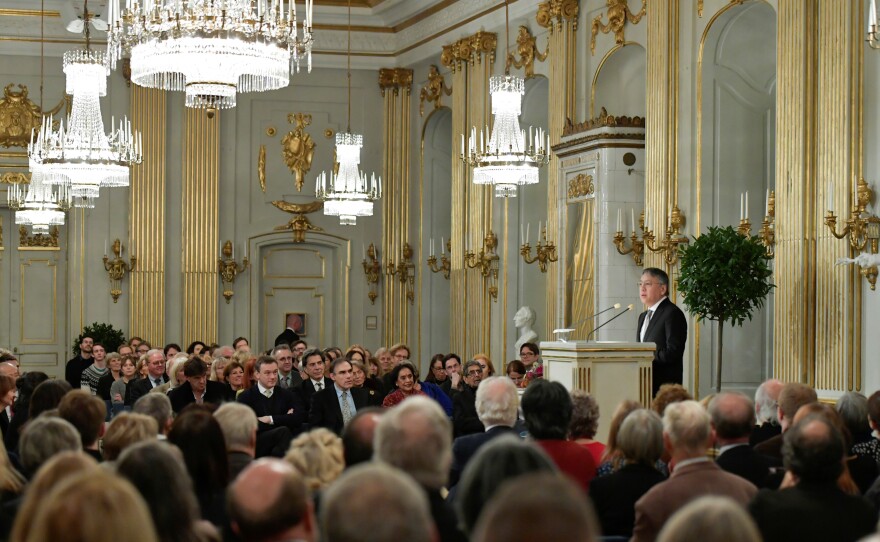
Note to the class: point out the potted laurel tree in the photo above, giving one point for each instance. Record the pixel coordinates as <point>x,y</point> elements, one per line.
<point>724,276</point>
<point>105,334</point>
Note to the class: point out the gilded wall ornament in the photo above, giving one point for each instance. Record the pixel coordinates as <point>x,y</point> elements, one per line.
<point>527,50</point>
<point>395,79</point>
<point>580,186</point>
<point>15,177</point>
<point>38,240</point>
<point>552,13</point>
<point>602,120</point>
<point>18,116</point>
<point>299,224</point>
<point>261,168</point>
<point>434,90</point>
<point>470,50</point>
<point>618,15</point>
<point>298,148</point>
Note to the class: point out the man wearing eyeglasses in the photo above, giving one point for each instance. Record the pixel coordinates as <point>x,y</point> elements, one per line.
<point>663,324</point>
<point>464,409</point>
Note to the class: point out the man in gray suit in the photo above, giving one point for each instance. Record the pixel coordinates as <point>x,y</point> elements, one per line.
<point>288,372</point>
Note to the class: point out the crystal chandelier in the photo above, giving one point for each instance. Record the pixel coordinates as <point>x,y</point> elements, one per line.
<point>212,49</point>
<point>349,194</point>
<point>38,204</point>
<point>509,157</point>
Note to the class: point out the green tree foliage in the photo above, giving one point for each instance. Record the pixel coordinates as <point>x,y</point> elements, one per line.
<point>101,333</point>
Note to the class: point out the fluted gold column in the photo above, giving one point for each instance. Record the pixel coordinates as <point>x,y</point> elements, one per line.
<point>471,60</point>
<point>396,86</point>
<point>661,127</point>
<point>560,17</point>
<point>200,224</point>
<point>147,218</point>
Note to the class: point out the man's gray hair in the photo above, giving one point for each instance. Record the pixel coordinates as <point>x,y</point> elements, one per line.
<point>416,437</point>
<point>853,409</point>
<point>238,423</point>
<point>378,487</point>
<point>155,351</point>
<point>280,347</point>
<point>157,406</point>
<point>45,436</point>
<point>765,405</point>
<point>497,401</point>
<point>688,426</point>
<point>640,437</point>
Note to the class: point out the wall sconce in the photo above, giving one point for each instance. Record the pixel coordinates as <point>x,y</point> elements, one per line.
<point>117,268</point>
<point>545,251</point>
<point>863,231</point>
<point>487,262</point>
<point>767,233</point>
<point>637,246</point>
<point>372,269</point>
<point>669,244</point>
<point>405,271</point>
<point>229,268</point>
<point>445,263</point>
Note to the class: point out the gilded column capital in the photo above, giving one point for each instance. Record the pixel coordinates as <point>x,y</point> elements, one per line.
<point>395,79</point>
<point>470,49</point>
<point>553,13</point>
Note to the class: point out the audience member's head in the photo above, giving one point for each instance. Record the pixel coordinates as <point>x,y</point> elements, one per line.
<point>87,413</point>
<point>547,410</point>
<point>378,487</point>
<point>516,371</point>
<point>497,401</point>
<point>269,501</point>
<point>733,417</point>
<point>710,518</point>
<point>156,470</point>
<point>357,436</point>
<point>874,410</point>
<point>499,461</point>
<point>239,425</point>
<point>584,415</point>
<point>813,450</point>
<point>127,429</point>
<point>317,457</point>
<point>640,438</point>
<point>793,396</point>
<point>686,429</point>
<point>416,437</point>
<point>853,409</point>
<point>199,437</point>
<point>26,385</point>
<point>158,407</point>
<point>510,517</point>
<point>668,394</point>
<point>766,397</point>
<point>44,437</point>
<point>46,396</point>
<point>612,452</point>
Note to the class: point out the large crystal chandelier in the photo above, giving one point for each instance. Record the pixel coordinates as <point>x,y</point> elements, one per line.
<point>510,156</point>
<point>348,194</point>
<point>38,205</point>
<point>212,49</point>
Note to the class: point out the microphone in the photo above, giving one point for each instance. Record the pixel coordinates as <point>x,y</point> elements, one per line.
<point>613,318</point>
<point>582,320</point>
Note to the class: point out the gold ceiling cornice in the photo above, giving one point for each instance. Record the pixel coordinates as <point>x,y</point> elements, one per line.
<point>552,13</point>
<point>11,12</point>
<point>395,79</point>
<point>470,50</point>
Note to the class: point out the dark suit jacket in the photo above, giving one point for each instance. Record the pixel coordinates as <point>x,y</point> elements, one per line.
<point>763,432</point>
<point>464,448</point>
<point>215,392</point>
<point>307,389</point>
<point>464,413</point>
<point>295,379</point>
<point>668,330</point>
<point>141,387</point>
<point>326,412</point>
<point>746,463</point>
<point>277,406</point>
<point>288,336</point>
<point>614,496</point>
<point>4,421</point>
<point>772,447</point>
<point>809,512</point>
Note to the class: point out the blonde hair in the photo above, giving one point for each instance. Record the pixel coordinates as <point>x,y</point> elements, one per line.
<point>127,429</point>
<point>317,456</point>
<point>484,357</point>
<point>11,481</point>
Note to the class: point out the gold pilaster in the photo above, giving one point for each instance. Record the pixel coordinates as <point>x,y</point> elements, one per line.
<point>147,217</point>
<point>396,87</point>
<point>200,225</point>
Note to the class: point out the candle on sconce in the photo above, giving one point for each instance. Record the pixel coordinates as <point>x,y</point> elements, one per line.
<point>741,206</point>
<point>442,246</point>
<point>618,219</point>
<point>872,16</point>
<point>528,225</point>
<point>632,219</point>
<point>233,251</point>
<point>539,231</point>
<point>105,247</point>
<point>522,232</point>
<point>364,251</point>
<point>747,204</point>
<point>767,203</point>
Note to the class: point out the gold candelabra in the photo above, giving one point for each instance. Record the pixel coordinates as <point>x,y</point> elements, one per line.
<point>545,251</point>
<point>767,233</point>
<point>637,245</point>
<point>445,263</point>
<point>668,245</point>
<point>372,269</point>
<point>862,228</point>
<point>405,270</point>
<point>487,262</point>
<point>229,268</point>
<point>117,268</point>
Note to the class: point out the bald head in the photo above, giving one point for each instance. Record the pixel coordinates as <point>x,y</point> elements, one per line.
<point>766,397</point>
<point>357,437</point>
<point>269,500</point>
<point>733,417</point>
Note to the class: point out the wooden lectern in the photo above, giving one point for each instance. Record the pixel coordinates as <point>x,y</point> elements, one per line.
<point>609,371</point>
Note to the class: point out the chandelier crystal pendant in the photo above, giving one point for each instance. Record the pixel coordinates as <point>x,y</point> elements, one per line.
<point>211,49</point>
<point>38,204</point>
<point>348,194</point>
<point>509,157</point>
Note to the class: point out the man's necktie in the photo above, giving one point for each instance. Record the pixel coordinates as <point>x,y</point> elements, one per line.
<point>645,324</point>
<point>319,386</point>
<point>157,382</point>
<point>268,393</point>
<point>346,408</point>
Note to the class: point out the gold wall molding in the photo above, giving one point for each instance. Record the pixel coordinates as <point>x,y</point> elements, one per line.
<point>555,14</point>
<point>526,52</point>
<point>15,177</point>
<point>395,79</point>
<point>261,168</point>
<point>700,6</point>
<point>433,90</point>
<point>470,50</point>
<point>18,116</point>
<point>603,120</point>
<point>300,223</point>
<point>580,186</point>
<point>298,149</point>
<point>618,15</point>
<point>38,240</point>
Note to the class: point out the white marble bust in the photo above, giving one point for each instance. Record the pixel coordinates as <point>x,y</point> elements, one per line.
<point>524,319</point>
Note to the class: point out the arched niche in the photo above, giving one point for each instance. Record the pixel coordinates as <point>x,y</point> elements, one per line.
<point>735,153</point>
<point>620,83</point>
<point>436,173</point>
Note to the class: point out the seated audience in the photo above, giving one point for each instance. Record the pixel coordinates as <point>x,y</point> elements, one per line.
<point>485,364</point>
<point>120,390</point>
<point>464,412</point>
<point>357,437</point>
<point>871,448</point>
<point>158,407</point>
<point>239,426</point>
<point>436,371</point>
<point>233,374</point>
<point>27,385</point>
<point>317,457</point>
<point>613,458</point>
<point>710,518</point>
<point>114,368</point>
<point>668,394</point>
<point>7,400</point>
<point>335,405</point>
<point>853,409</point>
<point>125,430</point>
<point>733,419</point>
<point>766,420</point>
<point>516,371</point>
<point>404,379</point>
<point>281,413</point>
<point>585,423</point>
<point>792,396</point>
<point>87,413</point>
<point>197,388</point>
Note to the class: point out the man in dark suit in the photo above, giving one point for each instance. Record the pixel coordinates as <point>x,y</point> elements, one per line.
<point>664,325</point>
<point>793,396</point>
<point>155,375</point>
<point>815,508</point>
<point>496,405</point>
<point>280,412</point>
<point>288,336</point>
<point>465,420</point>
<point>313,365</point>
<point>334,406</point>
<point>767,421</point>
<point>288,373</point>
<point>733,417</point>
<point>197,388</point>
